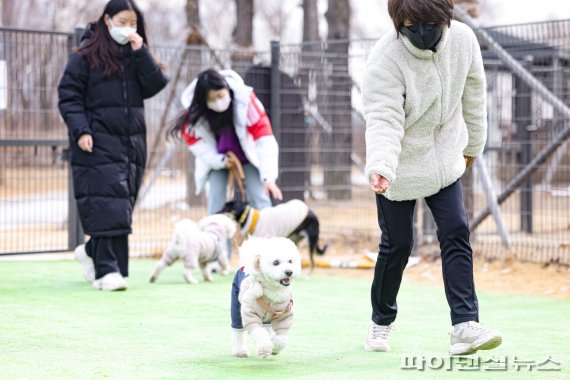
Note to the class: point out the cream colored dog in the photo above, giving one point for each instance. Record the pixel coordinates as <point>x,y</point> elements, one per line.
<point>198,245</point>
<point>270,264</point>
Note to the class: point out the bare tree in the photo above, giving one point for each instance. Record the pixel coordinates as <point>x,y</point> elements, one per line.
<point>310,21</point>
<point>242,55</point>
<point>243,33</point>
<point>337,175</point>
<point>276,17</point>
<point>194,37</point>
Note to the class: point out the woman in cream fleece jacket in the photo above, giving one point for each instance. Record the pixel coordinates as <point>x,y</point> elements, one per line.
<point>424,111</point>
<point>424,103</point>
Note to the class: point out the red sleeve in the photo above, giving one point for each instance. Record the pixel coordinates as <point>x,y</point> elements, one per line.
<point>259,124</point>
<point>189,136</point>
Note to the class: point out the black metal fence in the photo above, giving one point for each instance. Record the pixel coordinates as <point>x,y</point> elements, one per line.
<point>313,95</point>
<point>521,125</point>
<point>34,196</point>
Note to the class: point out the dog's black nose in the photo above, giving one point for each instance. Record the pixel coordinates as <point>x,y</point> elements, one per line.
<point>289,273</point>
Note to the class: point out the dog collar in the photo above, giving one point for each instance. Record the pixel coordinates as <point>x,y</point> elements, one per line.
<point>265,306</point>
<point>254,219</point>
<point>244,215</point>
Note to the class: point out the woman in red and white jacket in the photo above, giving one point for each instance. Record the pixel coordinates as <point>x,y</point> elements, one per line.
<point>222,114</point>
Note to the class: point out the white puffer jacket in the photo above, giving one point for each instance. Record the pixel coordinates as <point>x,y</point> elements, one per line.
<point>424,111</point>
<point>252,127</point>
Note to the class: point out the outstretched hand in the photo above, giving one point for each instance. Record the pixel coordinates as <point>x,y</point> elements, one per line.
<point>272,189</point>
<point>378,184</point>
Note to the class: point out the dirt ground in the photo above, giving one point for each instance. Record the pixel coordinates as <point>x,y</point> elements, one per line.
<point>500,276</point>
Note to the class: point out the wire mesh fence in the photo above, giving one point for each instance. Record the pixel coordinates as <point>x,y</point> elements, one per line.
<point>312,93</point>
<point>33,175</point>
<point>521,125</point>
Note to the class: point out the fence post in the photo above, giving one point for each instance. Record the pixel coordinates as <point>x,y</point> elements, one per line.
<point>75,235</point>
<point>275,90</point>
<point>523,122</point>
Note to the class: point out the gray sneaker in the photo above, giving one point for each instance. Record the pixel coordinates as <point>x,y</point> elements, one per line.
<point>469,337</point>
<point>377,339</point>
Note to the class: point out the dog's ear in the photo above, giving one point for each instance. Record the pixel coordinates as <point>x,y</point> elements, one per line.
<point>228,208</point>
<point>256,263</point>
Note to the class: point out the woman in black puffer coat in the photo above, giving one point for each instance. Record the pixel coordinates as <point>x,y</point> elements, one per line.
<point>101,98</point>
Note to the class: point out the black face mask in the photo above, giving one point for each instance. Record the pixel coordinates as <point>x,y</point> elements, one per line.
<point>423,36</point>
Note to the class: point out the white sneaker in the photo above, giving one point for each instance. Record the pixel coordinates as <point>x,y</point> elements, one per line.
<point>469,337</point>
<point>110,282</point>
<point>378,338</point>
<point>86,261</point>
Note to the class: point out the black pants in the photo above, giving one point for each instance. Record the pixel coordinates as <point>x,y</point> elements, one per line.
<point>396,223</point>
<point>109,254</point>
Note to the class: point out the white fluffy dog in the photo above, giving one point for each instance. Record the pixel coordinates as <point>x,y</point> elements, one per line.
<point>270,264</point>
<point>198,245</point>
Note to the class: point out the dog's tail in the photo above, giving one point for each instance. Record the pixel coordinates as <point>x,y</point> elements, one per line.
<point>322,250</point>
<point>313,232</point>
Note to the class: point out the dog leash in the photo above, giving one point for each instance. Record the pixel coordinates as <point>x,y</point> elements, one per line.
<point>265,306</point>
<point>235,175</point>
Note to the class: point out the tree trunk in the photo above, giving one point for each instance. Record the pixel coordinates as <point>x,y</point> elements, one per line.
<point>310,21</point>
<point>242,55</point>
<point>243,34</point>
<point>193,12</point>
<point>194,38</point>
<point>338,144</point>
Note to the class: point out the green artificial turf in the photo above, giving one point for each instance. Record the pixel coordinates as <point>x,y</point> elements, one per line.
<point>53,325</point>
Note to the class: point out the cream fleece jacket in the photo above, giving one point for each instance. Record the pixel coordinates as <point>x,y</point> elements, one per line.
<point>424,111</point>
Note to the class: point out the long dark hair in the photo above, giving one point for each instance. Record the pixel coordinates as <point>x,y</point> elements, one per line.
<point>207,80</point>
<point>100,50</point>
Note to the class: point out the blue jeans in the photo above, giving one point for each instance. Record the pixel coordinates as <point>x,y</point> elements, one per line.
<point>219,184</point>
<point>396,222</point>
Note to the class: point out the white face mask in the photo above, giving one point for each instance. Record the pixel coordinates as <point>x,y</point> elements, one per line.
<point>121,33</point>
<point>220,105</point>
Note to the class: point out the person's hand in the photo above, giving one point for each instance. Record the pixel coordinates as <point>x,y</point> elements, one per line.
<point>378,184</point>
<point>469,161</point>
<point>228,163</point>
<point>85,143</point>
<point>272,189</point>
<point>136,41</point>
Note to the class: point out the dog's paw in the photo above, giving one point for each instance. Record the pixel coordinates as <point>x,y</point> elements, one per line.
<point>240,352</point>
<point>152,278</point>
<point>189,279</point>
<point>224,272</point>
<point>279,343</point>
<point>208,278</point>
<point>264,351</point>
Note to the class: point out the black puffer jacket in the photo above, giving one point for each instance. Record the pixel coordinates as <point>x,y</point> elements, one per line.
<point>111,109</point>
